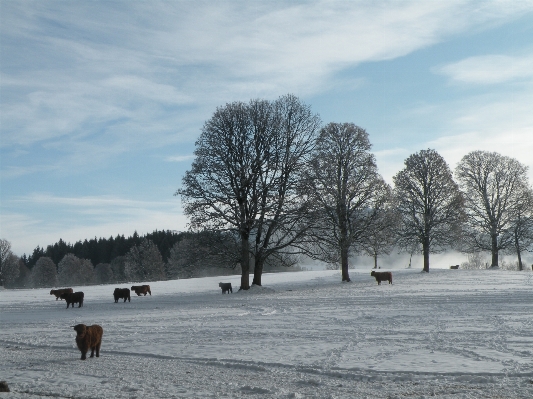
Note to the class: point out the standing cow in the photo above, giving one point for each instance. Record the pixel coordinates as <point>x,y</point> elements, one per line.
<point>141,289</point>
<point>382,276</point>
<point>122,293</point>
<point>226,287</point>
<point>72,298</point>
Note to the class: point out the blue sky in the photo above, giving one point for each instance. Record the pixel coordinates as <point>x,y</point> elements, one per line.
<point>101,102</point>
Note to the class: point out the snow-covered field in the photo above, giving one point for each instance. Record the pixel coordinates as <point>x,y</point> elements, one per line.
<point>446,334</point>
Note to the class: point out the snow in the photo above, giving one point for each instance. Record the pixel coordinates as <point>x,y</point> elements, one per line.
<point>446,334</point>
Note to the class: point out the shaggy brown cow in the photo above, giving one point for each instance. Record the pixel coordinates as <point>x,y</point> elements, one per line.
<point>88,337</point>
<point>141,289</point>
<point>454,267</point>
<point>72,298</point>
<point>226,287</point>
<point>122,293</point>
<point>382,276</point>
<point>58,293</point>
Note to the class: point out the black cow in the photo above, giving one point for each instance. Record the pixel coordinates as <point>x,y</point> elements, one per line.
<point>226,287</point>
<point>72,298</point>
<point>122,293</point>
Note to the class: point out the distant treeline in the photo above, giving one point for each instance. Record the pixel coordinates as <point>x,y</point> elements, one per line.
<point>104,250</point>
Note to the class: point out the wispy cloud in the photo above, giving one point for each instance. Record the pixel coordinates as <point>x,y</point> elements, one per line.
<point>489,69</point>
<point>94,205</point>
<point>116,66</point>
<point>180,158</point>
<point>504,125</point>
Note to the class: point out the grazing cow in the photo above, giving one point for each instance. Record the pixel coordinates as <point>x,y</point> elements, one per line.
<point>88,337</point>
<point>141,289</point>
<point>382,276</point>
<point>454,267</point>
<point>58,293</point>
<point>122,293</point>
<point>72,298</point>
<point>226,287</point>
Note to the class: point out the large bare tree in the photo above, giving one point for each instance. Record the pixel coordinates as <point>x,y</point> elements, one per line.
<point>493,185</point>
<point>429,203</point>
<point>245,175</point>
<point>282,222</point>
<point>347,192</point>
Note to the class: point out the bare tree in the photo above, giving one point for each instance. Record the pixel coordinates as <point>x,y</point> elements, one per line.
<point>381,237</point>
<point>9,263</point>
<point>492,185</point>
<point>243,179</point>
<point>220,191</point>
<point>44,273</point>
<point>522,225</point>
<point>429,203</point>
<point>144,262</point>
<point>282,221</point>
<point>347,192</point>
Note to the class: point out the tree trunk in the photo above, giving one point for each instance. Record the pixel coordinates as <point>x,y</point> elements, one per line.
<point>517,246</point>
<point>375,261</point>
<point>426,254</point>
<point>344,264</point>
<point>245,263</point>
<point>258,270</point>
<point>494,238</point>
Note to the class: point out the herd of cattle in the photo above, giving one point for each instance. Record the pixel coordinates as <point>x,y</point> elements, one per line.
<point>90,337</point>
<point>72,297</point>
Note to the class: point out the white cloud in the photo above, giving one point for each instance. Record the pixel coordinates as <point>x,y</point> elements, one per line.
<point>130,65</point>
<point>489,69</point>
<point>95,205</point>
<point>499,121</point>
<point>180,158</point>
